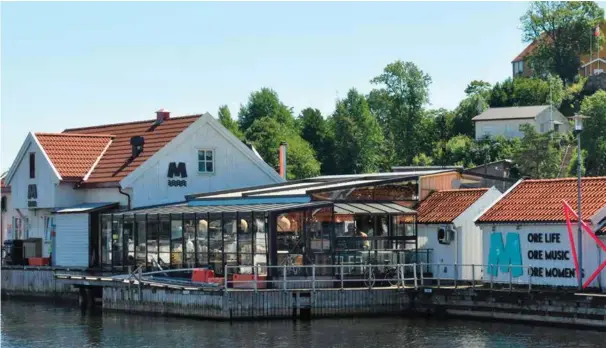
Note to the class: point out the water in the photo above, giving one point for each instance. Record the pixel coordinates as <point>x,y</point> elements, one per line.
<point>27,324</point>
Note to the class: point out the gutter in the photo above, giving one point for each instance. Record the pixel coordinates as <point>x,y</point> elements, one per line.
<point>127,196</point>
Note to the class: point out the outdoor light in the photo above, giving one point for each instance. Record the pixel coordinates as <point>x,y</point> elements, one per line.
<point>578,122</point>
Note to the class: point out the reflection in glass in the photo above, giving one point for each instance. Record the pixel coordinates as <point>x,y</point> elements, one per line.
<point>176,241</point>
<point>164,241</point>
<point>140,240</point>
<point>189,237</point>
<point>106,239</point>
<point>202,240</point>
<point>129,240</point>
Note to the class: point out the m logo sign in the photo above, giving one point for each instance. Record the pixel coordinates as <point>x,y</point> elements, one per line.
<point>502,256</point>
<point>177,170</point>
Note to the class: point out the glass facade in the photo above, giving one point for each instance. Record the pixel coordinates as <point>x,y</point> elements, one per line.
<point>185,241</point>
<point>249,241</point>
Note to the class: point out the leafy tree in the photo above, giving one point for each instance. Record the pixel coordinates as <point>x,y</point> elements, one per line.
<point>523,91</point>
<point>422,160</point>
<point>573,165</point>
<point>478,87</point>
<point>593,138</point>
<point>469,108</point>
<point>264,103</point>
<point>267,133</point>
<point>315,130</point>
<point>229,123</point>
<point>357,136</point>
<point>403,92</point>
<point>562,32</point>
<point>539,155</point>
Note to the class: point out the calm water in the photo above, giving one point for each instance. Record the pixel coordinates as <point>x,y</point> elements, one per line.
<point>26,324</point>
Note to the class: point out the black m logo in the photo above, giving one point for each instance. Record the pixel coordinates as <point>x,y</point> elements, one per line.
<point>175,169</point>
<point>32,192</point>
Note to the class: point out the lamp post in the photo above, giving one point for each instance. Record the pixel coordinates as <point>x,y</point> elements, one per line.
<point>578,128</point>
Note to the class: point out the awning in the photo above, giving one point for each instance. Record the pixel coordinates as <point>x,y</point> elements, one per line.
<point>372,208</point>
<point>87,208</point>
<point>245,208</point>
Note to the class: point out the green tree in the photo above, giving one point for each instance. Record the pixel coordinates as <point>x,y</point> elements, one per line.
<point>539,155</point>
<point>404,92</point>
<point>593,138</point>
<point>229,123</point>
<point>315,130</point>
<point>357,136</point>
<point>523,91</point>
<point>562,32</point>
<point>267,133</point>
<point>469,108</point>
<point>264,103</point>
<point>478,87</point>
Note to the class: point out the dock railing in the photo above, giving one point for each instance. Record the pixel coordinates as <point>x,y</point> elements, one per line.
<point>401,276</point>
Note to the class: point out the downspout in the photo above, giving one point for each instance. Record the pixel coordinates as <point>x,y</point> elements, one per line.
<point>127,196</point>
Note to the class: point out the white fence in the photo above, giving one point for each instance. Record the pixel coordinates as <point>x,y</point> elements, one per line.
<point>414,276</point>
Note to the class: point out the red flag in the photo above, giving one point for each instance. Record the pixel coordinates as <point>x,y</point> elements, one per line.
<point>596,32</point>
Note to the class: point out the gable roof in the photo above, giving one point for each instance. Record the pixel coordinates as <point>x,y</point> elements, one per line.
<point>541,201</point>
<point>511,113</point>
<point>73,155</point>
<point>205,120</point>
<point>116,163</point>
<point>445,206</point>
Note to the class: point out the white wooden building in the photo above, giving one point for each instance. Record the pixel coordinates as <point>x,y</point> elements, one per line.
<point>527,228</point>
<point>84,171</point>
<point>445,227</point>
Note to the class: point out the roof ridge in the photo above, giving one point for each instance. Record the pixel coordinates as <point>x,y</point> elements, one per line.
<point>132,122</point>
<point>465,189</point>
<point>518,106</point>
<point>76,135</point>
<point>567,179</point>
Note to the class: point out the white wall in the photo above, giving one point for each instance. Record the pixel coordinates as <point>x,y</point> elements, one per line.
<point>506,128</point>
<point>105,195</point>
<point>470,248</point>
<point>233,169</point>
<point>590,254</point>
<point>445,254</point>
<point>72,240</point>
<point>45,179</point>
<point>546,119</point>
<point>7,217</point>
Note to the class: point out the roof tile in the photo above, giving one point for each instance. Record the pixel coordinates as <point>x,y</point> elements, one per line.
<point>73,155</point>
<point>541,200</point>
<point>116,162</point>
<point>445,206</point>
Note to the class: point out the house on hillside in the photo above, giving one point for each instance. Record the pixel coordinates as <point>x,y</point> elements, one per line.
<point>445,225</point>
<point>590,65</point>
<point>60,182</point>
<point>507,121</point>
<point>526,228</point>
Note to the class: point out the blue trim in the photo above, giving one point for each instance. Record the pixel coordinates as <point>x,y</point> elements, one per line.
<point>250,200</point>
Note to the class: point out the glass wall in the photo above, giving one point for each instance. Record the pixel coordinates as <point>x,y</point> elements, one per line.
<point>243,240</point>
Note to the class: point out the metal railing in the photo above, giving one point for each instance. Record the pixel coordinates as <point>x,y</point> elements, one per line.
<point>409,276</point>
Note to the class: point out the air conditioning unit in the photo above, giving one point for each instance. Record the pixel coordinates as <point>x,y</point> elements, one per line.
<point>445,235</point>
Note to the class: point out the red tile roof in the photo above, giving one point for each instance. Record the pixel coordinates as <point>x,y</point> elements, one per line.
<point>530,48</point>
<point>116,163</point>
<point>445,206</point>
<point>541,200</point>
<point>73,155</point>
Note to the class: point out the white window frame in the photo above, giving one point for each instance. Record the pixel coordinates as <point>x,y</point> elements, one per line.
<point>198,161</point>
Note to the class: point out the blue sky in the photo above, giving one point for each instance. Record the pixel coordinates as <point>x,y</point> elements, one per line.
<point>76,64</point>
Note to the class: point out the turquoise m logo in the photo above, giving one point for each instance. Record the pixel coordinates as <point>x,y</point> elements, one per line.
<point>505,255</point>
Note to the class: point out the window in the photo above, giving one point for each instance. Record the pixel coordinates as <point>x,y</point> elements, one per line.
<point>518,68</point>
<point>32,165</point>
<point>206,161</point>
<point>556,127</point>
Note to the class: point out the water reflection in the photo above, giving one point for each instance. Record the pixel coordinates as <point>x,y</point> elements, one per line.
<point>26,324</point>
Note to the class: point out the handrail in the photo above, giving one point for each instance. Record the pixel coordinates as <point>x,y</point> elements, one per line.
<point>400,276</point>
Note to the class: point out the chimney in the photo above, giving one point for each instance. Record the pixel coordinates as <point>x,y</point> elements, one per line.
<point>161,116</point>
<point>282,159</point>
